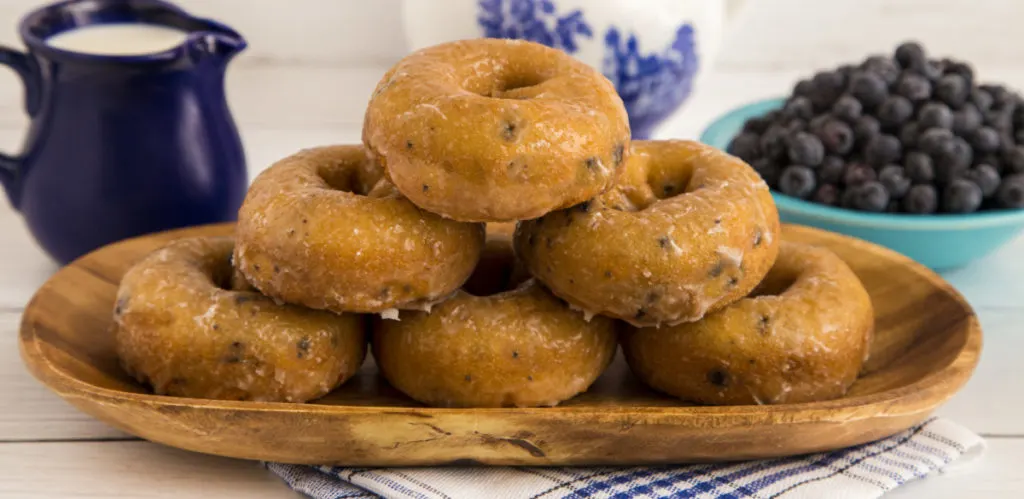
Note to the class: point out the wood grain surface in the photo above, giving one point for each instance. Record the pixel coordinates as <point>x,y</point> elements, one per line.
<point>928,342</point>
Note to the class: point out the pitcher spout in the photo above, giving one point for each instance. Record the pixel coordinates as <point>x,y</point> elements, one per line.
<point>215,41</point>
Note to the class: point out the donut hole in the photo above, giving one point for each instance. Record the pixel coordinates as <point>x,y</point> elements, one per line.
<point>774,284</point>
<point>348,179</point>
<point>669,182</point>
<point>496,273</point>
<point>513,85</point>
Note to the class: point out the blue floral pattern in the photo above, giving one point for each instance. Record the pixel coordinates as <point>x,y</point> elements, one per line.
<point>652,86</point>
<point>534,20</point>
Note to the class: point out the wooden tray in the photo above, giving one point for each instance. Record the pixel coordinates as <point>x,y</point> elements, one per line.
<point>928,342</point>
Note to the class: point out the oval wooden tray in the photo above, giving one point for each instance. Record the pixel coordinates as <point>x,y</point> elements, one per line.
<point>927,344</point>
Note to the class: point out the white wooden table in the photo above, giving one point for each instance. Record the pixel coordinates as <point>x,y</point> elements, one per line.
<point>283,103</point>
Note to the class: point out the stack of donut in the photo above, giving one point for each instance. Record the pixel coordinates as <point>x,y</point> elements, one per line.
<point>495,238</point>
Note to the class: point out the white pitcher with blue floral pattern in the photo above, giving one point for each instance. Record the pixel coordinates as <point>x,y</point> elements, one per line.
<point>650,49</point>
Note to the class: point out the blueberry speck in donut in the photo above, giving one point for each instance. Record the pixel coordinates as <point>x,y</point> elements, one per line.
<point>302,347</point>
<point>718,377</point>
<point>509,131</point>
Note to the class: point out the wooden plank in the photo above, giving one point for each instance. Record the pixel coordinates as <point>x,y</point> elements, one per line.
<point>146,470</point>
<point>129,469</point>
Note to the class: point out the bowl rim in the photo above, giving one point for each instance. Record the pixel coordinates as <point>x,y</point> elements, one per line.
<point>786,203</point>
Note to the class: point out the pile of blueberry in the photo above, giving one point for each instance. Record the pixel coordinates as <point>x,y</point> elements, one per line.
<point>901,134</point>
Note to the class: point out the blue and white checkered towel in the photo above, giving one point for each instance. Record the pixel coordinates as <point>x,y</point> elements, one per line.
<point>863,471</point>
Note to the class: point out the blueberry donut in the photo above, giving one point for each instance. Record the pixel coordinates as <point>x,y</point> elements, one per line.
<point>496,130</point>
<point>501,341</point>
<point>802,336</point>
<point>180,329</point>
<point>687,231</point>
<point>324,229</point>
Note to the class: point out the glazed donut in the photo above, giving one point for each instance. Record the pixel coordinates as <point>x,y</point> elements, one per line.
<point>495,343</point>
<point>178,330</point>
<point>496,130</point>
<point>802,336</point>
<point>324,229</point>
<point>688,230</point>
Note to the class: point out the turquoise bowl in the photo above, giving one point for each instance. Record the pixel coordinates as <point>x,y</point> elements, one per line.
<point>940,242</point>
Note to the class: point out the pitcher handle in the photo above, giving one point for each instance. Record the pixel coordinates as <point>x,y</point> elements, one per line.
<point>28,70</point>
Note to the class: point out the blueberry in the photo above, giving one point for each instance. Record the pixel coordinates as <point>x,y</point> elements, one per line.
<point>1000,119</point>
<point>817,123</point>
<point>953,90</point>
<point>799,108</point>
<point>894,180</point>
<point>884,67</point>
<point>953,159</point>
<point>847,108</point>
<point>893,207</point>
<point>929,70</point>
<point>1011,193</point>
<point>857,174</point>
<point>966,119</point>
<point>836,136</point>
<point>828,85</point>
<point>1002,96</point>
<point>992,159</point>
<point>932,140</point>
<point>914,87</point>
<point>935,115</point>
<point>1013,160</point>
<point>986,177</point>
<point>1018,136</point>
<point>757,124</point>
<point>831,170</point>
<point>909,53</point>
<point>869,196</point>
<point>985,139</point>
<point>773,142</point>
<point>981,99</point>
<point>921,199</point>
<point>768,170</point>
<point>826,194</point>
<point>865,128</point>
<point>882,149</point>
<point>797,181</point>
<point>805,149</point>
<point>803,88</point>
<point>745,146</point>
<point>961,69</point>
<point>868,88</point>
<point>918,167</point>
<point>961,196</point>
<point>908,134</point>
<point>894,111</point>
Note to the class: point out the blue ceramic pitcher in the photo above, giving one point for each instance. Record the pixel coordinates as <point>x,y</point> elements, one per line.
<point>123,145</point>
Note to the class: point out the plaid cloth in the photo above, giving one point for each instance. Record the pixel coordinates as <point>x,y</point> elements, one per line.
<point>863,471</point>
